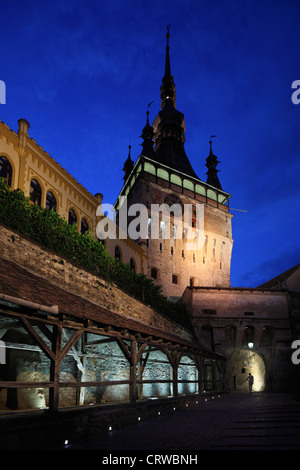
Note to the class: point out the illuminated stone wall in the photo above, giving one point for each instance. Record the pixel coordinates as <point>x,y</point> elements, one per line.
<point>103,359</point>
<point>208,265</point>
<point>62,273</point>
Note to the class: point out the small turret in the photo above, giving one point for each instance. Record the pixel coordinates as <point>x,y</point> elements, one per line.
<point>212,173</point>
<point>147,136</point>
<point>128,165</point>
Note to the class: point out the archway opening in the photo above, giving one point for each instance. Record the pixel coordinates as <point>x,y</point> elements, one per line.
<point>239,365</point>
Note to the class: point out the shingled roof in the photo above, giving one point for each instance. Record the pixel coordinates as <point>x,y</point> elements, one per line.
<point>18,282</point>
<point>282,280</point>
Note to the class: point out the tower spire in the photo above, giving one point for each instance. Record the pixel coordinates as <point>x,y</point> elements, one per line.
<point>169,125</point>
<point>167,89</point>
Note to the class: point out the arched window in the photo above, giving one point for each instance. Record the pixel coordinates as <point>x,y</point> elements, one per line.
<point>35,192</point>
<point>117,253</point>
<point>50,201</point>
<point>84,226</point>
<point>5,170</point>
<point>248,335</point>
<point>132,264</point>
<point>72,217</point>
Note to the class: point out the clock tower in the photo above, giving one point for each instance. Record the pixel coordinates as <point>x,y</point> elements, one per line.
<point>188,236</point>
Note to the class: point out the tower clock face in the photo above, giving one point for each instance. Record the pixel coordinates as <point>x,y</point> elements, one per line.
<point>171,199</point>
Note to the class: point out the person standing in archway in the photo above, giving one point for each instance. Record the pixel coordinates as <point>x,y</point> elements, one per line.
<point>250,379</point>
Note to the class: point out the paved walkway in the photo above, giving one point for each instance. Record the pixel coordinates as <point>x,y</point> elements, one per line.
<point>237,421</point>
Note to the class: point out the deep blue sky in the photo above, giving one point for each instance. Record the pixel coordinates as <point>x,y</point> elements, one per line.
<point>83,72</point>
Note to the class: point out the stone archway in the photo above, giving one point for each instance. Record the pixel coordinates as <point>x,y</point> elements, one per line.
<point>239,364</point>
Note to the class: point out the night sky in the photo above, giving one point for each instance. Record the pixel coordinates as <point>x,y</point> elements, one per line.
<point>83,72</point>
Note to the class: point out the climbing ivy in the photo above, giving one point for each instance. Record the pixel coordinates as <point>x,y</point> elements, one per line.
<point>52,231</point>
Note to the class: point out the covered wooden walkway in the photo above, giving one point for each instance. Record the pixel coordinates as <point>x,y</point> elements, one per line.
<point>40,317</point>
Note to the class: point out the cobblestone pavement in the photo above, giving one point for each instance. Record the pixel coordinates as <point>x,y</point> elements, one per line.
<point>237,421</point>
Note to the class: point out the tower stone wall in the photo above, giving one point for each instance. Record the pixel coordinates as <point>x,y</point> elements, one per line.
<point>175,262</point>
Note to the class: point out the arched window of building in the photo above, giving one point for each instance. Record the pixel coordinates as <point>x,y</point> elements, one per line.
<point>5,170</point>
<point>35,192</point>
<point>72,217</point>
<point>266,338</point>
<point>207,337</point>
<point>117,253</point>
<point>50,201</point>
<point>248,335</point>
<point>132,264</point>
<point>230,336</point>
<point>84,226</point>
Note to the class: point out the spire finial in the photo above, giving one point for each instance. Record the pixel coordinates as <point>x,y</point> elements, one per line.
<point>210,144</point>
<point>168,34</point>
<point>167,64</point>
<point>168,87</point>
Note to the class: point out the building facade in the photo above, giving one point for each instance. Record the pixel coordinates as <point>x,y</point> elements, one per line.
<point>26,165</point>
<point>254,328</point>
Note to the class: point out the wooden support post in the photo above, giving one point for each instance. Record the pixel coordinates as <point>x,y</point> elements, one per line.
<point>175,381</point>
<point>140,377</point>
<point>199,362</point>
<point>133,364</point>
<point>141,366</point>
<point>55,368</point>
